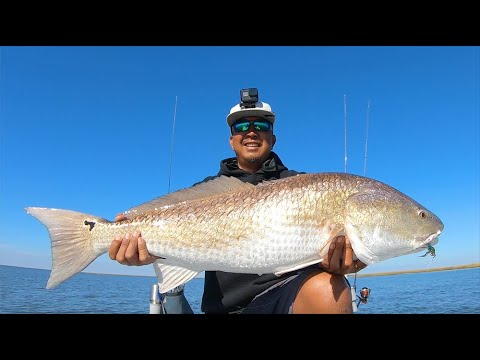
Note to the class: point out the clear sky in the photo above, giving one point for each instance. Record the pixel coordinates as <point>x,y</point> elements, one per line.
<point>90,129</point>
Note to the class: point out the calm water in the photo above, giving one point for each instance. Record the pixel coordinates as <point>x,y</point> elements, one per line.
<point>23,290</point>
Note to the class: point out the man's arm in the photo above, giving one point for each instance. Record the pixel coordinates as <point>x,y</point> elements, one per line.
<point>132,251</point>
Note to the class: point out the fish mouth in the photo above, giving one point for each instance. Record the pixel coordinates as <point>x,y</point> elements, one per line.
<point>431,239</point>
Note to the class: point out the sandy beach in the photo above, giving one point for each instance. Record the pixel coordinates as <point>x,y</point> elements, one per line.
<point>468,266</point>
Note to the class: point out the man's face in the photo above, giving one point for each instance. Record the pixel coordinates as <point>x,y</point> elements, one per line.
<point>252,142</point>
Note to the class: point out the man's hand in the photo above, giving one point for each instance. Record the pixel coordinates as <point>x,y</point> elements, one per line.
<point>339,259</point>
<point>131,249</point>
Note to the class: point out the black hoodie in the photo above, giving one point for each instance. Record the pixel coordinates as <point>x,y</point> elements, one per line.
<point>229,292</point>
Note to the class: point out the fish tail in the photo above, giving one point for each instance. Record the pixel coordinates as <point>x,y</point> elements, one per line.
<point>72,241</point>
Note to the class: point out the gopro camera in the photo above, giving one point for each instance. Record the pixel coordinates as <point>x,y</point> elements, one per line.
<point>248,97</point>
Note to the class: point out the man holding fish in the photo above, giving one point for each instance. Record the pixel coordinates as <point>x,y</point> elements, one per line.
<point>316,288</point>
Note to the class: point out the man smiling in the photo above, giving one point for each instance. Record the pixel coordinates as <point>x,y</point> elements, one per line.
<point>252,139</point>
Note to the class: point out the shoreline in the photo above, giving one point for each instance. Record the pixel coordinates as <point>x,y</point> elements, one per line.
<point>443,268</point>
<point>384,273</point>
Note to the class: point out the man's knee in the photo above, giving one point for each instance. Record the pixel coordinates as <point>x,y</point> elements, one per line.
<point>323,293</point>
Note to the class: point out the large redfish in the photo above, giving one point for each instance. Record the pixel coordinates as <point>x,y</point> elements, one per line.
<point>228,225</point>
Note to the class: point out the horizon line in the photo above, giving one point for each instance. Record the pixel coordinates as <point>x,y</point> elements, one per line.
<point>383,273</point>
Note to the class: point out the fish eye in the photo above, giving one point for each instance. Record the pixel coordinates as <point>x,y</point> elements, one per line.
<point>422,214</point>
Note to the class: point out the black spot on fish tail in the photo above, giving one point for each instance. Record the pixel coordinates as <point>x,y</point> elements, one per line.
<point>91,223</point>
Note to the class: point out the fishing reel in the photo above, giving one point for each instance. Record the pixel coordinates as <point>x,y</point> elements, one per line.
<point>364,294</point>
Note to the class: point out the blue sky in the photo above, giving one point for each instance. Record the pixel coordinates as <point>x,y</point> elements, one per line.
<point>90,129</point>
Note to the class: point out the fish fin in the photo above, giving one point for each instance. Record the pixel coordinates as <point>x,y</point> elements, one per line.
<point>272,181</point>
<point>72,241</point>
<point>330,230</point>
<point>170,276</point>
<point>296,267</point>
<point>366,198</point>
<point>219,185</point>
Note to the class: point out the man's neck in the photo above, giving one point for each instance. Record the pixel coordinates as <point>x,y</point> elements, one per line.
<point>250,167</point>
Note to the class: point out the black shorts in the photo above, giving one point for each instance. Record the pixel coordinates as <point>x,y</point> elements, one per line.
<point>279,298</point>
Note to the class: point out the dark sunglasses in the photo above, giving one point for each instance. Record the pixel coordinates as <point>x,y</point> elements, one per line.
<point>243,125</point>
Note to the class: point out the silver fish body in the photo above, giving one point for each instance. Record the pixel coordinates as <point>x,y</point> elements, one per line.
<point>228,225</point>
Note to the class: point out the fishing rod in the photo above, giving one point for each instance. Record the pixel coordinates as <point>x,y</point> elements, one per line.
<point>364,292</point>
<point>353,290</point>
<point>345,128</point>
<point>171,146</point>
<point>177,303</point>
<point>366,140</point>
<point>157,300</point>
